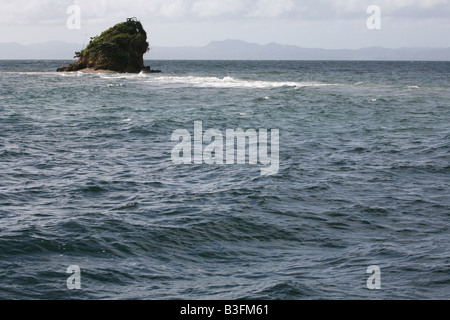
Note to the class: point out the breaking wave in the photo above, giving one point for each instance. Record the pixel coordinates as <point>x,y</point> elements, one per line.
<point>211,82</point>
<point>228,82</point>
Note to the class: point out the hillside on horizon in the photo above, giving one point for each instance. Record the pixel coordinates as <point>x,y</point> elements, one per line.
<point>231,50</point>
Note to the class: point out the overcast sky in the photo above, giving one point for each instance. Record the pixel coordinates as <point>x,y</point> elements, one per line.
<point>329,24</point>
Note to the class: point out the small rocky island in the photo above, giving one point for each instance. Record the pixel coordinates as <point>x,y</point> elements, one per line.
<point>118,49</point>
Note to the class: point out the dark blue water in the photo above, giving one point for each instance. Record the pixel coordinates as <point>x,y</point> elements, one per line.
<point>87,179</point>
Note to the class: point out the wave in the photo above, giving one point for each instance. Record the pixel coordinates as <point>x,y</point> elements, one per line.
<point>183,81</point>
<point>190,81</point>
<point>228,82</point>
<point>211,82</point>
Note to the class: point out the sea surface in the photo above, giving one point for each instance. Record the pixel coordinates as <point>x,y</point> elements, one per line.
<point>87,179</point>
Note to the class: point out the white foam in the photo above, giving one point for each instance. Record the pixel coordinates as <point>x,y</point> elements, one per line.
<point>190,81</point>
<point>110,75</point>
<point>227,82</point>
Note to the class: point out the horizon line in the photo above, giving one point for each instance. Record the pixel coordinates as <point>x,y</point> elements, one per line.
<point>243,41</point>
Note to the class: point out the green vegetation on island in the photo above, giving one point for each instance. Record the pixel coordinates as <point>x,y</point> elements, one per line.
<point>119,49</point>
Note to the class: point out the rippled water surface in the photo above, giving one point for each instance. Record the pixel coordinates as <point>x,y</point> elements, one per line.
<point>87,179</point>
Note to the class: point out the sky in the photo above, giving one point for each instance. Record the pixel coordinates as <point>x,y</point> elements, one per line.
<point>328,24</point>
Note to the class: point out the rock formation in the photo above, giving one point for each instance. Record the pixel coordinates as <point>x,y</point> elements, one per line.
<point>119,49</point>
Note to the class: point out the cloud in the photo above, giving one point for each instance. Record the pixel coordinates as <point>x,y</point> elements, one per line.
<point>422,4</point>
<point>173,9</point>
<point>35,12</point>
<point>213,8</point>
<point>272,9</point>
<point>27,12</point>
<point>20,12</point>
<point>391,7</point>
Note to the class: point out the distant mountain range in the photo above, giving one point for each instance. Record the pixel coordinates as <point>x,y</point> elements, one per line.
<point>53,50</point>
<point>233,50</point>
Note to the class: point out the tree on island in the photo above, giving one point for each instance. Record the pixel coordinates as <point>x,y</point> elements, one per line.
<point>120,49</point>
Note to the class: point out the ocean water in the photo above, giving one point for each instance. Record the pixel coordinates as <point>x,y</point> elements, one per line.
<point>87,180</point>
